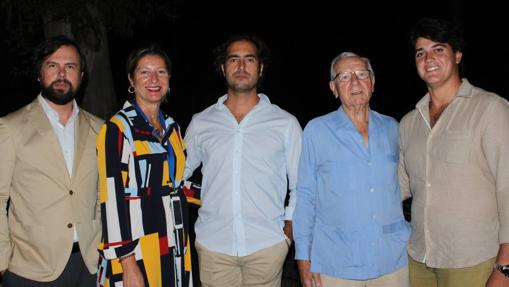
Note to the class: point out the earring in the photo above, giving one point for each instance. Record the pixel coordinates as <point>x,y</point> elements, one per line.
<point>131,90</point>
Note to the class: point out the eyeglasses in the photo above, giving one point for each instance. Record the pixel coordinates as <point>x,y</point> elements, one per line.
<point>347,76</point>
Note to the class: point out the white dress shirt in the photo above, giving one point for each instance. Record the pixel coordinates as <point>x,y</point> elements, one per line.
<point>247,169</point>
<point>65,135</point>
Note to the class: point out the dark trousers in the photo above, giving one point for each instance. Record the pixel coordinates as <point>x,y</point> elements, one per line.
<point>75,274</point>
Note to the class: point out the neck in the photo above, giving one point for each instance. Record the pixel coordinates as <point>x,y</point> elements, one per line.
<point>442,95</point>
<point>64,111</point>
<point>240,104</point>
<point>151,110</point>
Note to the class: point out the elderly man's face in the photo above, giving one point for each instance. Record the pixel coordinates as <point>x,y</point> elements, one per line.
<point>354,92</point>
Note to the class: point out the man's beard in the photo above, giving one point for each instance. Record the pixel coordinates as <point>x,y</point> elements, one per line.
<point>58,96</point>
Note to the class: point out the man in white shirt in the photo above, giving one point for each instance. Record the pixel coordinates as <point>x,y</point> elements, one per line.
<point>50,233</point>
<point>250,150</point>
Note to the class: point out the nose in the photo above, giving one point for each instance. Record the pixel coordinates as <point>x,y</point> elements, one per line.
<point>153,77</point>
<point>242,64</point>
<point>61,72</point>
<point>354,78</point>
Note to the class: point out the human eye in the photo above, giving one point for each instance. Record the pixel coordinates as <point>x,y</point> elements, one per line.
<point>362,74</point>
<point>344,77</point>
<point>70,67</point>
<point>162,72</point>
<point>419,54</point>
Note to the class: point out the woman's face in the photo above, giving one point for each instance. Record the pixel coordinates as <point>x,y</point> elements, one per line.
<point>150,79</point>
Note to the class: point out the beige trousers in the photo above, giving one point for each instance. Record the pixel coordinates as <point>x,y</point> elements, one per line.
<point>262,268</point>
<point>394,279</point>
<point>475,276</point>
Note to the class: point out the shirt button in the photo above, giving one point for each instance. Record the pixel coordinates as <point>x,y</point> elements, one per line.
<point>428,184</point>
<point>371,190</point>
<point>69,225</point>
<point>71,192</point>
<point>370,163</point>
<point>374,216</point>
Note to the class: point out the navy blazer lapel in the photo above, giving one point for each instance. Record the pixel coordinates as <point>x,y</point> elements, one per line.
<point>48,153</point>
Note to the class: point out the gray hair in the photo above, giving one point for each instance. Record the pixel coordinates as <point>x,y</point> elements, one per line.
<point>348,55</point>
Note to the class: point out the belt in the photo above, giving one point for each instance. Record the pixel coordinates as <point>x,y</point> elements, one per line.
<point>75,247</point>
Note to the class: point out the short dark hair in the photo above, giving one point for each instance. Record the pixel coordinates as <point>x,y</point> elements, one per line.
<point>437,30</point>
<point>49,46</point>
<point>151,49</point>
<point>262,50</point>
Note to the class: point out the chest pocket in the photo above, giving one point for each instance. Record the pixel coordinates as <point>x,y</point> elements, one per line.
<point>457,146</point>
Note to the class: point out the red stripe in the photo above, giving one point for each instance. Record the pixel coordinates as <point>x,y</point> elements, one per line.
<point>131,197</point>
<point>116,243</point>
<point>163,245</point>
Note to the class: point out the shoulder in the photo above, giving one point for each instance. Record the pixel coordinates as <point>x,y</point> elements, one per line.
<point>321,121</point>
<point>94,121</point>
<point>385,119</point>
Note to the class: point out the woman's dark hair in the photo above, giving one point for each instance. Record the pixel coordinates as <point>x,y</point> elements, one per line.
<point>136,55</point>
<point>49,46</point>
<point>220,52</point>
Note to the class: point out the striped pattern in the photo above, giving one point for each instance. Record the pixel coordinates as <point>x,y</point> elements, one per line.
<point>142,211</point>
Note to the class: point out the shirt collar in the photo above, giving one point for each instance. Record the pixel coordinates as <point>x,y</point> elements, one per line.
<point>264,100</point>
<point>51,113</point>
<point>465,91</point>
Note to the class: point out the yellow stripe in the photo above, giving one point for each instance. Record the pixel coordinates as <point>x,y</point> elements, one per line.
<point>116,267</point>
<point>118,123</point>
<point>187,257</point>
<point>193,201</point>
<point>151,258</point>
<point>101,164</point>
<point>142,147</point>
<point>180,157</point>
<point>166,175</point>
<point>124,177</point>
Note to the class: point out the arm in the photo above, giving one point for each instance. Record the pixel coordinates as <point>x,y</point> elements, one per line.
<point>293,146</point>
<point>132,276</point>
<point>496,151</point>
<point>304,216</point>
<point>404,183</point>
<point>114,156</point>
<point>6,170</point>
<point>193,155</point>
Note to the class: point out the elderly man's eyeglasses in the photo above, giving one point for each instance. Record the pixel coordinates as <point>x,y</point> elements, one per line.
<point>347,76</point>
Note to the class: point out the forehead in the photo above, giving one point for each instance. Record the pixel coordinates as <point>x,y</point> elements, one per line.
<point>241,47</point>
<point>422,43</point>
<point>67,54</point>
<point>350,63</point>
<point>151,60</point>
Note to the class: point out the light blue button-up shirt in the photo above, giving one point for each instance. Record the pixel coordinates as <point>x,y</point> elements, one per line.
<point>247,169</point>
<point>348,219</point>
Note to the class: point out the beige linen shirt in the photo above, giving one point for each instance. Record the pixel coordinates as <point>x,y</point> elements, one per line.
<point>458,175</point>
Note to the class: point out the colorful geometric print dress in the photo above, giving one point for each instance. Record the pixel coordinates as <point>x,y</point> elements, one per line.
<point>143,200</point>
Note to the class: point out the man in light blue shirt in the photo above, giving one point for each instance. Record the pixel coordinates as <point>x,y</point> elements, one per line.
<point>250,150</point>
<point>349,228</point>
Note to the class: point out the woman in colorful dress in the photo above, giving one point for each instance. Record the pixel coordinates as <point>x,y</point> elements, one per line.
<point>141,159</point>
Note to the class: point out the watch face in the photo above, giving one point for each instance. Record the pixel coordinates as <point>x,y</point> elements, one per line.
<point>504,269</point>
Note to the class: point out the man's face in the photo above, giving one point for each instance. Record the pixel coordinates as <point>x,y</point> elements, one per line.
<point>242,69</point>
<point>354,92</point>
<point>436,62</point>
<point>60,75</point>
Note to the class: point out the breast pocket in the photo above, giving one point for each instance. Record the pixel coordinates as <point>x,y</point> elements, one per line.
<point>457,146</point>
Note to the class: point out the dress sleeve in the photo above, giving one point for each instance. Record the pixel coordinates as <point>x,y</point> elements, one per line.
<point>118,197</point>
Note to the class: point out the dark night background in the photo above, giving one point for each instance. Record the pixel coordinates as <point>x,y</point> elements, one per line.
<point>303,39</point>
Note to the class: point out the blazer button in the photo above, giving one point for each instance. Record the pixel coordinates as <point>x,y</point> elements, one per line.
<point>69,225</point>
<point>71,192</point>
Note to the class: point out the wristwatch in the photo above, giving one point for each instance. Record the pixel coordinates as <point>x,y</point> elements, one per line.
<point>504,269</point>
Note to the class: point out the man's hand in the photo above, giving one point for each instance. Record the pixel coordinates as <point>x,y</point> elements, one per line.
<point>306,276</point>
<point>131,276</point>
<point>287,229</point>
<point>498,279</point>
